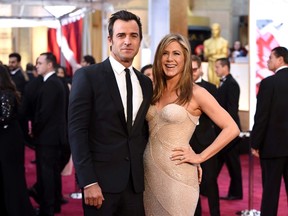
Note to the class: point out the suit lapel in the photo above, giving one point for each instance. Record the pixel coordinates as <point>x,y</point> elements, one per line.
<point>143,105</point>
<point>114,91</point>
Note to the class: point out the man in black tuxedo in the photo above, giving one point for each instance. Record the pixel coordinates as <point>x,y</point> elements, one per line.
<point>16,72</point>
<point>269,136</point>
<point>18,78</point>
<point>108,153</point>
<point>29,101</point>
<point>227,96</point>
<point>50,133</point>
<point>203,136</point>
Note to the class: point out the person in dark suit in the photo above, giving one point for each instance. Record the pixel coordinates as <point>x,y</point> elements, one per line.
<point>108,153</point>
<point>28,107</point>
<point>13,193</point>
<point>16,72</point>
<point>31,72</point>
<point>49,130</point>
<point>269,136</point>
<point>203,136</point>
<point>18,78</point>
<point>227,96</point>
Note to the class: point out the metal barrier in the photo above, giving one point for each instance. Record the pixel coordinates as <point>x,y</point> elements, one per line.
<point>250,211</point>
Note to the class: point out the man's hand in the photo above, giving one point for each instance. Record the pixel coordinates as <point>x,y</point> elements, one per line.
<point>255,152</point>
<point>93,196</point>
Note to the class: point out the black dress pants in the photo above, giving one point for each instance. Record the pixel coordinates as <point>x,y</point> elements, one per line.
<point>230,156</point>
<point>272,171</point>
<point>209,187</point>
<point>125,203</point>
<point>49,178</point>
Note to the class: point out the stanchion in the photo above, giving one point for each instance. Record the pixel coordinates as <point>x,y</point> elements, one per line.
<point>77,194</point>
<point>250,211</point>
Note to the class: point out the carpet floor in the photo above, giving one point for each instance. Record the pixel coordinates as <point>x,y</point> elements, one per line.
<point>228,208</point>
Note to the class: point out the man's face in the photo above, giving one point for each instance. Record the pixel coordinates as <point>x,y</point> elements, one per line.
<point>43,67</point>
<point>273,62</point>
<point>125,41</point>
<point>197,72</point>
<point>13,63</point>
<point>219,69</point>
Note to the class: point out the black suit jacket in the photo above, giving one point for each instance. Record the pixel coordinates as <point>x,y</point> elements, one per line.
<point>19,81</point>
<point>270,129</point>
<point>29,100</point>
<point>228,97</point>
<point>50,123</point>
<point>204,133</point>
<point>102,150</point>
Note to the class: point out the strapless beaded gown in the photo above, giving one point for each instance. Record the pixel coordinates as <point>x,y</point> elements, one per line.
<point>170,190</point>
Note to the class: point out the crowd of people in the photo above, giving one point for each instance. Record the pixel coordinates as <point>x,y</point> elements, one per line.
<point>34,105</point>
<point>145,142</point>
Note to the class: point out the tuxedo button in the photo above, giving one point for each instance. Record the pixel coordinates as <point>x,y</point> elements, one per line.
<point>127,158</point>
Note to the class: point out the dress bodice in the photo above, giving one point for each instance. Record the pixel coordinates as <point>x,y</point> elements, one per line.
<point>172,123</point>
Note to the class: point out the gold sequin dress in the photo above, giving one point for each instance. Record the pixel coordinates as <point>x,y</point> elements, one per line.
<point>170,190</point>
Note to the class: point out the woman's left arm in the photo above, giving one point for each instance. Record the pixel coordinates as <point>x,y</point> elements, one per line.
<point>229,129</point>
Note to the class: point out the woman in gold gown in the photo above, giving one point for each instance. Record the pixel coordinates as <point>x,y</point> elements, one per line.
<point>171,177</point>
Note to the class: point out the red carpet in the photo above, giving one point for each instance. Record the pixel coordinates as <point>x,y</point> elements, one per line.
<point>73,207</point>
<point>228,208</point>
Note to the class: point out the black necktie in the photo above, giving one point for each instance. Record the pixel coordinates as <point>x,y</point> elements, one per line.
<point>221,81</point>
<point>129,99</point>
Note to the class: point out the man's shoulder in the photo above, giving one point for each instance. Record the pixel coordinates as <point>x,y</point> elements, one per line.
<point>91,69</point>
<point>208,83</point>
<point>231,78</point>
<point>143,78</point>
<point>53,80</point>
<point>19,74</point>
<point>269,80</point>
<point>210,87</point>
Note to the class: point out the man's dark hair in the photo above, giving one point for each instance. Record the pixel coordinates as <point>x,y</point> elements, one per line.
<point>16,55</point>
<point>281,52</point>
<point>125,16</point>
<point>50,57</point>
<point>89,59</point>
<point>224,61</point>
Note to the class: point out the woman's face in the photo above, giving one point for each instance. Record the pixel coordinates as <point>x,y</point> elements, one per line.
<point>173,60</point>
<point>60,72</point>
<point>148,72</point>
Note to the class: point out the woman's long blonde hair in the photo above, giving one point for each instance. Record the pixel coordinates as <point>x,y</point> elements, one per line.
<point>184,87</point>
